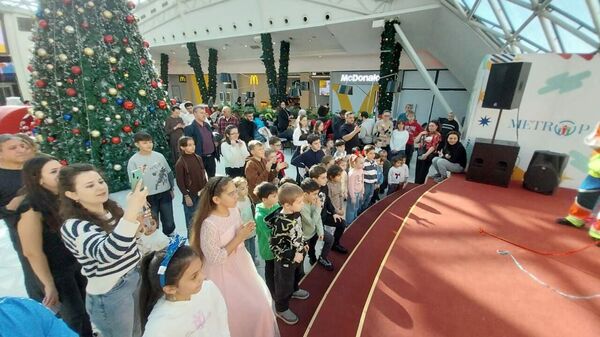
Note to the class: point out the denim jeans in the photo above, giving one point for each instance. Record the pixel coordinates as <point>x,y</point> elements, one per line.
<point>161,205</point>
<point>442,166</point>
<point>352,208</point>
<point>116,313</point>
<point>366,202</point>
<point>251,246</point>
<point>189,211</point>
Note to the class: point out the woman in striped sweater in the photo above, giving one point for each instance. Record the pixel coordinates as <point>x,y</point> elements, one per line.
<point>102,237</point>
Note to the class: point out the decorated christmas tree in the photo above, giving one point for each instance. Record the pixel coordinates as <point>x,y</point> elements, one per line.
<point>94,85</point>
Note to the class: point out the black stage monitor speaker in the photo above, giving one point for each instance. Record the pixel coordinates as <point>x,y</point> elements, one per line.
<point>544,171</point>
<point>492,163</point>
<point>345,89</point>
<point>506,85</point>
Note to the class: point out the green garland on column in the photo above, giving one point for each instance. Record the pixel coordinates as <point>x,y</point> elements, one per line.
<point>194,62</point>
<point>164,71</point>
<point>390,62</point>
<point>269,61</point>
<point>284,60</point>
<point>212,73</point>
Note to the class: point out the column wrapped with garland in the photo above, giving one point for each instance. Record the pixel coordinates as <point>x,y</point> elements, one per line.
<point>164,70</point>
<point>94,85</point>
<point>390,62</point>
<point>268,60</point>
<point>194,62</point>
<point>284,60</point>
<point>212,73</point>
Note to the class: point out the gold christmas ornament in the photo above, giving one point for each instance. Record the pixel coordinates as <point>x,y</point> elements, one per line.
<point>49,120</point>
<point>88,51</point>
<point>44,103</point>
<point>49,66</point>
<point>51,41</point>
<point>39,138</point>
<point>126,75</point>
<point>80,10</point>
<point>90,4</point>
<point>62,57</point>
<point>75,109</point>
<point>107,119</point>
<point>128,50</point>
<point>41,52</point>
<point>112,91</point>
<point>91,107</point>
<point>69,29</point>
<point>95,133</point>
<point>107,14</point>
<point>142,92</point>
<point>117,167</point>
<point>39,114</point>
<point>117,116</point>
<point>112,60</point>
<point>59,13</point>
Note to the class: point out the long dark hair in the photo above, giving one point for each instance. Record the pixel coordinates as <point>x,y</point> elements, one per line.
<point>228,133</point>
<point>69,209</point>
<point>214,187</point>
<point>40,199</point>
<point>150,289</point>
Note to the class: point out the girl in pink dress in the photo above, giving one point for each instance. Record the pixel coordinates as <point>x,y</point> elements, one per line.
<point>218,235</point>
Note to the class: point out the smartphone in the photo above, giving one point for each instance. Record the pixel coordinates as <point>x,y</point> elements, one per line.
<point>134,177</point>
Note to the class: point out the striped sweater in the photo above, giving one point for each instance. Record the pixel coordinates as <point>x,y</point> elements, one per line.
<point>370,172</point>
<point>104,257</point>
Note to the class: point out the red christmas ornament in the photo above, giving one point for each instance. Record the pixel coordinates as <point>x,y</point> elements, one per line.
<point>130,4</point>
<point>70,80</point>
<point>108,39</point>
<point>154,84</point>
<point>43,24</point>
<point>66,2</point>
<point>130,18</point>
<point>103,100</point>
<point>50,139</point>
<point>76,70</point>
<point>136,123</point>
<point>64,162</point>
<point>115,140</point>
<point>40,83</point>
<point>143,61</point>
<point>128,105</point>
<point>162,104</point>
<point>84,25</point>
<point>125,41</point>
<point>104,141</point>
<point>76,131</point>
<point>71,92</point>
<point>146,44</point>
<point>127,128</point>
<point>30,68</point>
<point>37,122</point>
<point>120,86</point>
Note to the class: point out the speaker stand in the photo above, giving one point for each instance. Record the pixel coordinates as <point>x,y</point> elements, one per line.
<point>497,124</point>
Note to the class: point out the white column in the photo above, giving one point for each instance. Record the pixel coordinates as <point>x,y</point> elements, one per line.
<point>412,54</point>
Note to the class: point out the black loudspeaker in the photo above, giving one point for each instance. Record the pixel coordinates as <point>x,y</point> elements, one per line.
<point>492,163</point>
<point>544,171</point>
<point>506,85</point>
<point>345,89</point>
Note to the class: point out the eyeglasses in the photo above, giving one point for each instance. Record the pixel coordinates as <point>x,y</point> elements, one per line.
<point>234,133</point>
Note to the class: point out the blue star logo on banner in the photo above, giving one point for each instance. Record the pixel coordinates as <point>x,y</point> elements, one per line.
<point>484,121</point>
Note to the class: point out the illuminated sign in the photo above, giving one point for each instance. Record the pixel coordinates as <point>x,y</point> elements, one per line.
<point>253,79</point>
<point>182,79</point>
<point>359,78</point>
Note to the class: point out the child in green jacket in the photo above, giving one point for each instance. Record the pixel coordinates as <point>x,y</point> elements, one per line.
<point>267,193</point>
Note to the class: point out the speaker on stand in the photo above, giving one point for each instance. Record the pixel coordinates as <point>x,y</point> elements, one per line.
<point>544,172</point>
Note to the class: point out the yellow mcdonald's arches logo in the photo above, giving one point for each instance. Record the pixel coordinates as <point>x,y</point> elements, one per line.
<point>253,79</point>
<point>182,79</point>
<point>367,104</point>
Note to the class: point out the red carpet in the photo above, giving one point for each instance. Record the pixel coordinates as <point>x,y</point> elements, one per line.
<point>442,277</point>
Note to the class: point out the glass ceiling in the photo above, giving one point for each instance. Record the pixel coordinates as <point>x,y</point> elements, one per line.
<point>517,26</point>
<point>525,26</point>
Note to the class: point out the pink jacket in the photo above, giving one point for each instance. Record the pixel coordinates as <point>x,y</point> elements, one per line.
<point>355,183</point>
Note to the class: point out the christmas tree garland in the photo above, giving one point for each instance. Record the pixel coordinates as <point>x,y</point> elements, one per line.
<point>164,70</point>
<point>268,60</point>
<point>390,62</point>
<point>284,59</point>
<point>194,62</point>
<point>212,73</point>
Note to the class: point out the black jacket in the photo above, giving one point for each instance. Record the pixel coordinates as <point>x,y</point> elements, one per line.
<point>246,130</point>
<point>286,235</point>
<point>308,159</point>
<point>457,154</point>
<point>328,208</point>
<point>192,131</point>
<point>283,119</point>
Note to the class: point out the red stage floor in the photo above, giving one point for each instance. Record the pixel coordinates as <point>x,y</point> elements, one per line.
<point>437,275</point>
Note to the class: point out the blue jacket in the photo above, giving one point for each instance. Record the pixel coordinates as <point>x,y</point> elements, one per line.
<point>192,131</point>
<point>308,159</point>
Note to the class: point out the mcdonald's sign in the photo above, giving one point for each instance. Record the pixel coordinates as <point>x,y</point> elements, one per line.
<point>182,79</point>
<point>253,79</point>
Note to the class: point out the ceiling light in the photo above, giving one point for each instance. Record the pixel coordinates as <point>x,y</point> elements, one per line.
<point>378,23</point>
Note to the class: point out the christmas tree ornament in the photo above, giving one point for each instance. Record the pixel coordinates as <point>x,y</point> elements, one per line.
<point>47,11</point>
<point>69,29</point>
<point>49,66</point>
<point>70,80</point>
<point>39,114</point>
<point>41,52</point>
<point>67,117</point>
<point>130,19</point>
<point>62,57</point>
<point>107,119</point>
<point>59,13</point>
<point>50,139</point>
<point>40,83</point>
<point>126,75</point>
<point>112,60</point>
<point>162,104</point>
<point>49,120</point>
<point>154,84</point>
<point>119,101</point>
<point>125,41</point>
<point>115,140</point>
<point>130,4</point>
<point>107,14</point>
<point>88,150</point>
<point>95,133</point>
<point>103,100</point>
<point>44,103</point>
<point>91,107</point>
<point>127,128</point>
<point>128,50</point>
<point>71,92</point>
<point>87,143</point>
<point>117,167</point>
<point>29,68</point>
<point>146,44</point>
<point>88,51</point>
<point>142,92</point>
<point>75,109</point>
<point>128,105</point>
<point>120,86</point>
<point>90,4</point>
<point>75,70</point>
<point>143,61</point>
<point>51,41</point>
<point>151,108</point>
<point>75,131</point>
<point>112,91</point>
<point>34,74</point>
<point>80,10</point>
<point>43,24</point>
<point>136,123</point>
<point>108,39</point>
<point>39,138</point>
<point>59,84</point>
<point>117,117</point>
<point>67,2</point>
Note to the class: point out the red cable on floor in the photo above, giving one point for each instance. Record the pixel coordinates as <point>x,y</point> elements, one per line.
<point>566,253</point>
